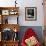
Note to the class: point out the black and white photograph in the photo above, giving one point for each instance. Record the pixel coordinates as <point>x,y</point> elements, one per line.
<point>31,13</point>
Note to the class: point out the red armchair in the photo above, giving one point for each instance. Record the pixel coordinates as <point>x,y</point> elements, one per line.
<point>30,34</point>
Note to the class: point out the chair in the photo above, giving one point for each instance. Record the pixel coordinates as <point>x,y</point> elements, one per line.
<point>28,35</point>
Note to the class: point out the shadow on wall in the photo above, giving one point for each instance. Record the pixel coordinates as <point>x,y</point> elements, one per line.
<point>37,29</point>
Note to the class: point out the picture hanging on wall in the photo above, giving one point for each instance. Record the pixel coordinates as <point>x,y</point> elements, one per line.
<point>30,13</point>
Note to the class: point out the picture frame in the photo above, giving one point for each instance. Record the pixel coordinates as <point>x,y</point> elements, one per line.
<point>0,19</point>
<point>0,36</point>
<point>13,12</point>
<point>30,13</point>
<point>5,12</point>
<point>5,20</point>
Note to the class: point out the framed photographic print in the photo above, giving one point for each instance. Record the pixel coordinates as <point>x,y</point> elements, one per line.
<point>7,34</point>
<point>13,20</point>
<point>0,19</point>
<point>5,20</point>
<point>5,12</point>
<point>0,36</point>
<point>30,13</point>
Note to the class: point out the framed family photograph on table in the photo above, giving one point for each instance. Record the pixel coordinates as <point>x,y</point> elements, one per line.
<point>30,13</point>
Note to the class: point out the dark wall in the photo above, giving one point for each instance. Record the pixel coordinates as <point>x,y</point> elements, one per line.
<point>37,29</point>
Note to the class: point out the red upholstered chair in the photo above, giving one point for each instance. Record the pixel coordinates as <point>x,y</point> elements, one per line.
<point>29,33</point>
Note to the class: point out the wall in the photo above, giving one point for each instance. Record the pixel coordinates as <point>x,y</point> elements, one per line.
<point>32,3</point>
<point>26,3</point>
